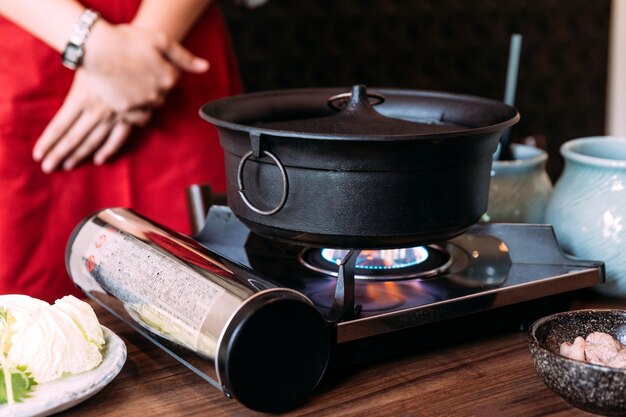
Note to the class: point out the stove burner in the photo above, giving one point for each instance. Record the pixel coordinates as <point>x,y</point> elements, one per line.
<point>380,259</point>
<point>381,265</point>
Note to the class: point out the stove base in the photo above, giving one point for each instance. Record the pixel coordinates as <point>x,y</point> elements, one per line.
<point>514,317</point>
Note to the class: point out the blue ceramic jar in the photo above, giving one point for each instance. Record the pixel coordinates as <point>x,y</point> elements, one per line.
<point>519,189</point>
<point>588,206</point>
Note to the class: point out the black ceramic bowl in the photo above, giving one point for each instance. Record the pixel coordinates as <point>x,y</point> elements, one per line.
<point>593,388</point>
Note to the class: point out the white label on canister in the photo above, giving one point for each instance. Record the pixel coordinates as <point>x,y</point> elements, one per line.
<point>166,294</point>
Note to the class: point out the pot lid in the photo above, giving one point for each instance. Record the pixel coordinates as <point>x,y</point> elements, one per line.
<point>360,114</point>
<point>355,114</point>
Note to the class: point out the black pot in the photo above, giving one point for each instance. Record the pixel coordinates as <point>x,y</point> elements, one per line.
<point>322,168</point>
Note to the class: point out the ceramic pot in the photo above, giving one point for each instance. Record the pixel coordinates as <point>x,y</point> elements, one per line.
<point>519,189</point>
<point>588,206</point>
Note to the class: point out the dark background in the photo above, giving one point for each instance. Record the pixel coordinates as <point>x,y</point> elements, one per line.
<point>459,46</point>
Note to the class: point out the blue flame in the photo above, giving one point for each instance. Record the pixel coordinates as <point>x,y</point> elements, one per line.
<point>381,259</point>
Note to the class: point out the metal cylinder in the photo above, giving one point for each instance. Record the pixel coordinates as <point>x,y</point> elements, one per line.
<point>198,203</point>
<point>264,345</point>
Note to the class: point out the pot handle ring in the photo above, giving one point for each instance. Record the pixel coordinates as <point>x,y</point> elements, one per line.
<point>283,174</point>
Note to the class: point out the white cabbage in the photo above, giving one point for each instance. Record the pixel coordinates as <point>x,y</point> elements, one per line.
<point>51,340</point>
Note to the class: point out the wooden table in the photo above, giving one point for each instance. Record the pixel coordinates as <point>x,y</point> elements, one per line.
<point>491,376</point>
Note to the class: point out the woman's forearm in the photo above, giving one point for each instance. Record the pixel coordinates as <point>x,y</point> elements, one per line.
<point>49,20</point>
<point>173,18</point>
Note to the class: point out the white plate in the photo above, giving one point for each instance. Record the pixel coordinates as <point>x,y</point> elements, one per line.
<point>63,393</point>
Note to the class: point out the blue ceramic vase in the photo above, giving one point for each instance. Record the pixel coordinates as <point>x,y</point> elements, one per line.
<point>588,206</point>
<point>519,189</point>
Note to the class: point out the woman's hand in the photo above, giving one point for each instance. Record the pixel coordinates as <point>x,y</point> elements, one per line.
<point>127,72</point>
<point>84,125</point>
<point>133,67</point>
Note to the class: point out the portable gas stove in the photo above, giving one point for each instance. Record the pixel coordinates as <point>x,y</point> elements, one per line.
<point>259,319</point>
<point>373,292</point>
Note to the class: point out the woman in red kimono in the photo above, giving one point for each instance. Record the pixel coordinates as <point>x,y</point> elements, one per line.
<point>121,130</point>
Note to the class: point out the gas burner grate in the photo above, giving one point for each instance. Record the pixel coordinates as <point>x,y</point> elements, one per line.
<point>382,265</point>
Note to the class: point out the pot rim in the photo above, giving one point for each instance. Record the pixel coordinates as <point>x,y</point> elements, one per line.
<point>208,109</point>
<point>571,151</point>
<point>539,156</point>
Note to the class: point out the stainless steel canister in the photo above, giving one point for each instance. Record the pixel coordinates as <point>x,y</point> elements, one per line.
<point>264,345</point>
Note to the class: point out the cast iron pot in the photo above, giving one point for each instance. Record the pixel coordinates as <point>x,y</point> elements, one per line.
<point>324,167</point>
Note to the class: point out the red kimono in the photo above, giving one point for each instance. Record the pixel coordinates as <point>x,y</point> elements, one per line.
<point>150,174</point>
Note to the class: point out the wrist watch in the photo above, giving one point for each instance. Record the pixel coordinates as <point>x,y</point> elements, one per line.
<point>72,55</point>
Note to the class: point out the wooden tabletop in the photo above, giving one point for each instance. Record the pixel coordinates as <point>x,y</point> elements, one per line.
<point>492,376</point>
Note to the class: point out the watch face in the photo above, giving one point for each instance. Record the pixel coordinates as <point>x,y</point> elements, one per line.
<point>72,55</point>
